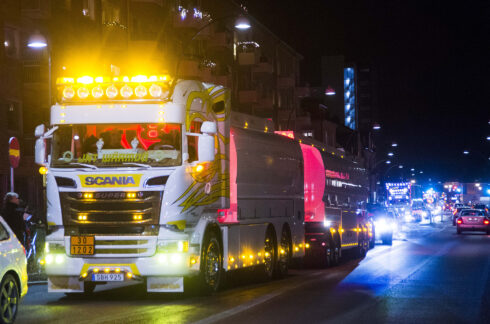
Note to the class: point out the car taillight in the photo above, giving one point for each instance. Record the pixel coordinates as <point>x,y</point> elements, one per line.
<point>459,221</point>
<point>486,222</point>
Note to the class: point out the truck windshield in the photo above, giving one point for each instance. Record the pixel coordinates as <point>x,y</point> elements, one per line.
<point>121,145</point>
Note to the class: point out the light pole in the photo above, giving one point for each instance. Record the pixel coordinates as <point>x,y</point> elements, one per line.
<point>38,41</point>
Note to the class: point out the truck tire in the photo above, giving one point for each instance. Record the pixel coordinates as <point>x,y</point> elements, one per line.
<point>212,273</point>
<point>284,255</point>
<point>336,251</point>
<point>270,254</point>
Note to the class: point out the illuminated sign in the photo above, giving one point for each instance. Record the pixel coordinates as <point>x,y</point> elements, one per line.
<point>110,181</point>
<point>337,175</point>
<point>289,134</point>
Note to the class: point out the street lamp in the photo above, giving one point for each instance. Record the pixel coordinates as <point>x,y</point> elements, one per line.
<point>394,144</point>
<point>390,154</point>
<point>376,126</point>
<point>242,23</point>
<point>38,41</point>
<point>466,152</point>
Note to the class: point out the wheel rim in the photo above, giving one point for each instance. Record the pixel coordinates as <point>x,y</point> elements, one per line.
<point>269,255</point>
<point>212,268</point>
<point>285,252</point>
<point>9,300</point>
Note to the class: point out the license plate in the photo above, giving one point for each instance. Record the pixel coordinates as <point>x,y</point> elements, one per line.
<point>107,277</point>
<point>82,245</point>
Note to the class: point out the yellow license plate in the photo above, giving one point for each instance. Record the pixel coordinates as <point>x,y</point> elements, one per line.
<point>82,245</point>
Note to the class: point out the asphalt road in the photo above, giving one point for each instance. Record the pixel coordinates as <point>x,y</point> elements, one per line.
<point>429,275</point>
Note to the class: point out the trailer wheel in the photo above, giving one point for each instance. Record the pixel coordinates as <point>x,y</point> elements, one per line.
<point>269,254</point>
<point>361,249</point>
<point>284,255</point>
<point>336,253</point>
<point>212,275</point>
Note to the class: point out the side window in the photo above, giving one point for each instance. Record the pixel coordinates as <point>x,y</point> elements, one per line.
<point>192,141</point>
<point>4,235</point>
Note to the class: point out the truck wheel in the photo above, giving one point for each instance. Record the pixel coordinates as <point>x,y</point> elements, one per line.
<point>328,258</point>
<point>372,241</point>
<point>284,255</point>
<point>269,254</point>
<point>9,299</point>
<point>361,250</point>
<point>336,252</point>
<point>212,275</point>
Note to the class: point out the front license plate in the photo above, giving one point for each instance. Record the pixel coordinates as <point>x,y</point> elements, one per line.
<point>82,245</point>
<point>108,277</point>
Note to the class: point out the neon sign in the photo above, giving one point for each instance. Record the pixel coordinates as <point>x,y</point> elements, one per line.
<point>337,175</point>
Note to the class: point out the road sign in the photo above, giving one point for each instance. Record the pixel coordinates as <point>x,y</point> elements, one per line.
<point>14,152</point>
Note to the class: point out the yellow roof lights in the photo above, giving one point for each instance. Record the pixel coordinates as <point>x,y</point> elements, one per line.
<point>103,88</point>
<point>85,80</point>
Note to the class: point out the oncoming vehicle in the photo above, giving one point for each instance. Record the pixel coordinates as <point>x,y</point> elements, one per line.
<point>13,273</point>
<point>385,225</point>
<point>472,220</point>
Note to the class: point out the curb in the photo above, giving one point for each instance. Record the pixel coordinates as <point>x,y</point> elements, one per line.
<point>33,283</point>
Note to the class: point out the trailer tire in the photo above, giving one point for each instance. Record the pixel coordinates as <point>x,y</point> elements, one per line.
<point>284,253</point>
<point>270,253</point>
<point>212,273</point>
<point>336,253</point>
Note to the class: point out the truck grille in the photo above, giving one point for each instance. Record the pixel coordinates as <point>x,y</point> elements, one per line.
<point>122,246</point>
<point>111,213</point>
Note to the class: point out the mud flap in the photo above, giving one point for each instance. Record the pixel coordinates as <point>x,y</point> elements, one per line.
<point>165,284</point>
<point>64,284</point>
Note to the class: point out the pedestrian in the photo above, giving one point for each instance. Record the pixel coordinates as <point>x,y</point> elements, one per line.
<point>13,214</point>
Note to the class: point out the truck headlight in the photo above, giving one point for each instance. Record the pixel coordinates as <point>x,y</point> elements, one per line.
<point>173,246</point>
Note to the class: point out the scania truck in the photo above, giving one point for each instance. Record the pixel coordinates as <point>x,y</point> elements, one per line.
<point>152,180</point>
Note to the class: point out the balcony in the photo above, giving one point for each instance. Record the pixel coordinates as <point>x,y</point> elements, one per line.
<point>247,96</point>
<point>220,40</point>
<point>189,22</point>
<point>263,67</point>
<point>302,92</point>
<point>286,82</point>
<point>247,58</point>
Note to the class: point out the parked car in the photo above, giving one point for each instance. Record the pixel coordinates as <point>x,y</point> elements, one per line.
<point>13,273</point>
<point>472,220</point>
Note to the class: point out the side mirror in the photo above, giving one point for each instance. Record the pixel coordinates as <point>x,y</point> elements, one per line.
<point>39,131</point>
<point>205,146</point>
<point>40,154</point>
<point>209,128</point>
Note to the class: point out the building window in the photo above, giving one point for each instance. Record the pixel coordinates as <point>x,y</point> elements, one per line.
<point>11,42</point>
<point>13,116</point>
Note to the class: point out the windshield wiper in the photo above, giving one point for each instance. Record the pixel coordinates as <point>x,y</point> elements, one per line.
<point>146,166</point>
<point>93,167</point>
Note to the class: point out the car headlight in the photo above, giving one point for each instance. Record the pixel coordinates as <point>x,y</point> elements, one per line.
<point>327,223</point>
<point>172,246</point>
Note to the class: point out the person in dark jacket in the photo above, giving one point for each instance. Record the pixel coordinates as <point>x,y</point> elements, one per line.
<point>13,214</point>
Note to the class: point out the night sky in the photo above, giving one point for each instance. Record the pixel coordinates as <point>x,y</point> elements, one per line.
<point>432,60</point>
